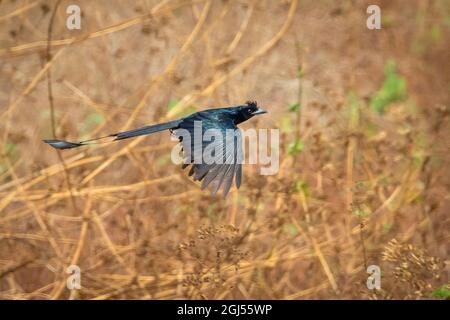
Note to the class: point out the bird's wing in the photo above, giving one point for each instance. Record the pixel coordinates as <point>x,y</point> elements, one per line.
<point>217,173</point>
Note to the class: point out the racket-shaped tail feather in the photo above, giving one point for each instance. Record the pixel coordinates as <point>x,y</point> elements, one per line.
<point>61,144</point>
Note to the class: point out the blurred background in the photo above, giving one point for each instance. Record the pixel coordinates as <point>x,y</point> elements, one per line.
<point>364,158</point>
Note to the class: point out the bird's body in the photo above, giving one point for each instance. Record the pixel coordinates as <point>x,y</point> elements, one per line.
<point>227,149</point>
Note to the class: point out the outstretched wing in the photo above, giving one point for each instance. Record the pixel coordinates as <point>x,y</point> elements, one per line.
<point>215,162</point>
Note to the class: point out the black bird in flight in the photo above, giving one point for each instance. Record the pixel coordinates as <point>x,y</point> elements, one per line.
<point>215,174</point>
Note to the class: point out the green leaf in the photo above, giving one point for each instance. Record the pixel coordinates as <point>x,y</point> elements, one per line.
<point>442,292</point>
<point>172,104</point>
<point>295,147</point>
<point>186,111</point>
<point>392,90</point>
<point>294,107</point>
<point>300,186</point>
<point>290,229</point>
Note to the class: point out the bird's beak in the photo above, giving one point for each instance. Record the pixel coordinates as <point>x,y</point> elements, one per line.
<point>259,111</point>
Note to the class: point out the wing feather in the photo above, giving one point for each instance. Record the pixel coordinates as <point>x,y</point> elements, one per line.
<point>213,175</point>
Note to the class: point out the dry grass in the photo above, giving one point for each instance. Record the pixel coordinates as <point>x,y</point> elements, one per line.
<point>356,187</point>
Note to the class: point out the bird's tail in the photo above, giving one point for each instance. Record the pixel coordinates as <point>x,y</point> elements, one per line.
<point>61,144</point>
<point>145,130</point>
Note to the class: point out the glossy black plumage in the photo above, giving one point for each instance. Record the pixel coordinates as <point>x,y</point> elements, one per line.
<point>214,174</point>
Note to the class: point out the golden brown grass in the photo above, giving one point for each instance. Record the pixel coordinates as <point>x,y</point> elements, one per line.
<point>355,187</point>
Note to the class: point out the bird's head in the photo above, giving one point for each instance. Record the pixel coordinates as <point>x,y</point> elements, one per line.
<point>247,111</point>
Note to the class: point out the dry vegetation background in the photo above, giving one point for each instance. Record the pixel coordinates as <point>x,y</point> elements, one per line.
<point>364,179</point>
